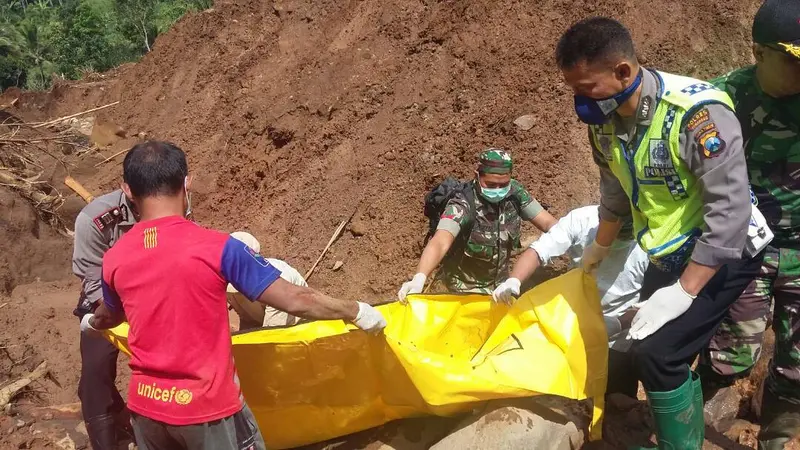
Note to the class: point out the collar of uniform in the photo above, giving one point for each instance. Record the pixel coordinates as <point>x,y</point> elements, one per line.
<point>624,126</point>
<point>127,216</point>
<point>648,99</point>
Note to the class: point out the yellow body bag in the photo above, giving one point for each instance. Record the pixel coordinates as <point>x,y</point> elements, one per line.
<point>439,355</point>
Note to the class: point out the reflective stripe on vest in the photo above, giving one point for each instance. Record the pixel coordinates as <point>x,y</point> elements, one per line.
<point>667,207</point>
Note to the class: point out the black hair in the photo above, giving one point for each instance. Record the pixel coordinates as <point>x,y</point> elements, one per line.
<point>593,40</point>
<point>155,168</point>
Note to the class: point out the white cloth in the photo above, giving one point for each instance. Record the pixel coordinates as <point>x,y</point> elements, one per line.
<point>619,275</point>
<point>288,272</point>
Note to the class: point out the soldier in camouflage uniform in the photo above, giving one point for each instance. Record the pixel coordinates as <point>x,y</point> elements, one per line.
<point>486,228</point>
<point>767,100</point>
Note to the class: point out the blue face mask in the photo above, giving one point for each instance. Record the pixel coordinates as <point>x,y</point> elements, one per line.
<point>595,112</point>
<point>495,195</point>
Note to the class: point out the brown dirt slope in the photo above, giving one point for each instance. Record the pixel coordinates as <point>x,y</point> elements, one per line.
<point>293,113</point>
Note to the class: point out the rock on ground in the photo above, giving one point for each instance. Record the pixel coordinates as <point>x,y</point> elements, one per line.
<point>723,406</point>
<point>525,424</point>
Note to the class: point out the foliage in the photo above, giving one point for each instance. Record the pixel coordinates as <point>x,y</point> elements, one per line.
<point>42,38</point>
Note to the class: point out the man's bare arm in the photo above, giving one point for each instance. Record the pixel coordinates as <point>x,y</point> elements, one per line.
<point>307,303</point>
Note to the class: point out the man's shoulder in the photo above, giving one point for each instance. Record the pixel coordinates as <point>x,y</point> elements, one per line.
<point>463,197</point>
<point>516,185</point>
<point>103,203</point>
<point>689,93</point>
<point>737,82</point>
<point>106,211</point>
<point>520,193</point>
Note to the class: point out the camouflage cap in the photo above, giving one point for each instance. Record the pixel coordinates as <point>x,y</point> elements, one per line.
<point>495,160</point>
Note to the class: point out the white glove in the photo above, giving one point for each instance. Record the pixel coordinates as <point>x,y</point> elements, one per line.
<point>415,286</point>
<point>592,255</point>
<point>666,304</point>
<point>507,291</point>
<point>369,319</point>
<point>87,327</point>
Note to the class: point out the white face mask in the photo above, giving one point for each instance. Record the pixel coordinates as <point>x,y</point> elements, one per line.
<point>188,198</point>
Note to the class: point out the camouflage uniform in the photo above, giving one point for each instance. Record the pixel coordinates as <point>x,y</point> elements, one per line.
<point>771,129</point>
<point>482,262</point>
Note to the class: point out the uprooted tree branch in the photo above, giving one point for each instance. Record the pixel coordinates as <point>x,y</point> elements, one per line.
<point>26,156</point>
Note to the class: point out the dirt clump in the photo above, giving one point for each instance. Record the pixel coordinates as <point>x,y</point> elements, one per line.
<point>292,112</point>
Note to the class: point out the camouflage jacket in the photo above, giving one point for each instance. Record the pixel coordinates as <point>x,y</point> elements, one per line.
<point>479,260</point>
<point>771,131</point>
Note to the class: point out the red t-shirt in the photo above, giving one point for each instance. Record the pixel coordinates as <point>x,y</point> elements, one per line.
<point>169,276</point>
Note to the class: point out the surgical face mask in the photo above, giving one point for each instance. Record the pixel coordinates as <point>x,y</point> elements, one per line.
<point>596,111</point>
<point>495,195</point>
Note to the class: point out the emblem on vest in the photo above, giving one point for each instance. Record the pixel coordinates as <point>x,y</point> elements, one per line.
<point>660,161</point>
<point>605,145</point>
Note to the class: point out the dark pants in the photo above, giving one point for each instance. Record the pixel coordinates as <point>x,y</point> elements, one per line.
<point>236,432</point>
<point>621,374</point>
<point>662,360</point>
<point>96,389</point>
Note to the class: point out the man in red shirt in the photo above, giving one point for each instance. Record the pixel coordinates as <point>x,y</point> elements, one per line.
<point>168,276</point>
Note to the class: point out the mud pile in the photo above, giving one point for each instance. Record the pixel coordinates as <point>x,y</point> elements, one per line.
<point>295,113</point>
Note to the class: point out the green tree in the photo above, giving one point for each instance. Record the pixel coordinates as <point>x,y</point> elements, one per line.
<point>39,37</point>
<point>34,49</point>
<point>11,58</point>
<point>137,20</point>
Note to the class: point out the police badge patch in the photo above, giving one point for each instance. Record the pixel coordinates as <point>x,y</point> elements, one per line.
<point>661,164</point>
<point>712,145</point>
<point>659,153</point>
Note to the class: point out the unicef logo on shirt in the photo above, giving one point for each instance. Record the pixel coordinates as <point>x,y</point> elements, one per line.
<point>183,397</point>
<point>167,395</point>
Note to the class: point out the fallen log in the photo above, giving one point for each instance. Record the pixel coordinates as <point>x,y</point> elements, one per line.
<point>11,390</point>
<point>73,184</point>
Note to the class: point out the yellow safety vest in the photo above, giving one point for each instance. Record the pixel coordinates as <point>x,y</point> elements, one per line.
<point>667,206</point>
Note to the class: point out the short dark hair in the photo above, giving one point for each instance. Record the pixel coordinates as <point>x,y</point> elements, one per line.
<point>155,168</point>
<point>593,40</point>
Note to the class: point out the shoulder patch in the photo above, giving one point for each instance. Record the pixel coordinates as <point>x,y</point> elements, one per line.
<point>453,211</point>
<point>712,143</point>
<point>518,190</point>
<point>698,119</point>
<point>256,256</point>
<point>108,218</point>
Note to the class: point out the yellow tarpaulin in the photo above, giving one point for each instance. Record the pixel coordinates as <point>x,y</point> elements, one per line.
<point>439,354</point>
